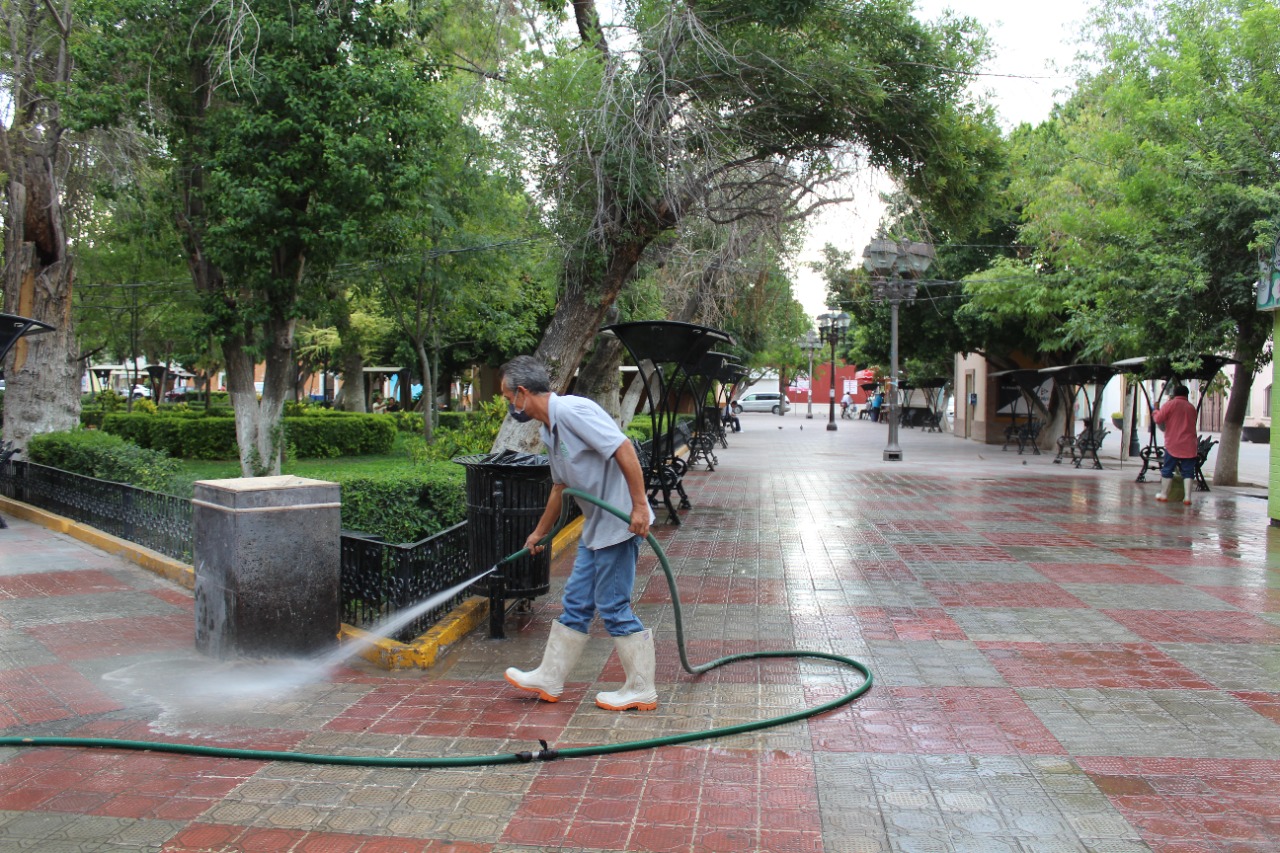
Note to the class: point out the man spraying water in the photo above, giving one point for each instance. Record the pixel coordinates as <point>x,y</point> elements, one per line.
<point>588,452</point>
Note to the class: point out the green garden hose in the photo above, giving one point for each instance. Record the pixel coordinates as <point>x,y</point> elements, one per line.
<point>546,753</point>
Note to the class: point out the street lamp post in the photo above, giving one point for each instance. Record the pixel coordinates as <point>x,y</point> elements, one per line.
<point>895,267</point>
<point>832,328</point>
<point>810,343</point>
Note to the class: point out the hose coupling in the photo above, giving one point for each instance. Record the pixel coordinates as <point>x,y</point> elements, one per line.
<point>545,754</point>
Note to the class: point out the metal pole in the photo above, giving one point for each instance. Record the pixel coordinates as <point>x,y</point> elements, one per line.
<point>809,416</point>
<point>892,452</point>
<point>831,421</point>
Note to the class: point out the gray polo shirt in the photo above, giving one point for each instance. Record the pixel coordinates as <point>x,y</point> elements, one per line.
<point>581,441</point>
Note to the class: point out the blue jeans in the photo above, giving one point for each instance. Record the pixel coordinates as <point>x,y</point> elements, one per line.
<point>1188,467</point>
<point>602,581</point>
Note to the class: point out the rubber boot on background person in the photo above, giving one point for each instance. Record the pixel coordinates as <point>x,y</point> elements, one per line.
<point>564,645</point>
<point>638,661</point>
<point>1187,486</point>
<point>1165,484</point>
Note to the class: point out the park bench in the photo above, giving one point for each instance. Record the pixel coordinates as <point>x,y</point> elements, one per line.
<point>1081,447</point>
<point>702,442</point>
<point>1203,446</point>
<point>1025,434</point>
<point>664,470</point>
<point>1153,460</point>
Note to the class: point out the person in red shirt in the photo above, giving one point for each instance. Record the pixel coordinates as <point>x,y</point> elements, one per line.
<point>1181,445</point>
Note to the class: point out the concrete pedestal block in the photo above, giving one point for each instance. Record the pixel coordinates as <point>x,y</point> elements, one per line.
<point>268,561</point>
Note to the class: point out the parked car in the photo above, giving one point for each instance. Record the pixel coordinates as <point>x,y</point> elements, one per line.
<point>140,391</point>
<point>762,402</point>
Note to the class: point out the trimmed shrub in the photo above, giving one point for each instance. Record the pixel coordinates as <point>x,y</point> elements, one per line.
<point>404,507</point>
<point>190,435</point>
<point>327,436</point>
<point>94,453</point>
<point>640,428</point>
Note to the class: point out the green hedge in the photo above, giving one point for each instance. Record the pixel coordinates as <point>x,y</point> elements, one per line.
<point>93,453</point>
<point>188,435</point>
<point>404,507</point>
<point>640,428</point>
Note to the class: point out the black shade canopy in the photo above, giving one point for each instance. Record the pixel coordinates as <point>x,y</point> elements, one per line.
<point>1028,379</point>
<point>1081,374</point>
<point>13,327</point>
<point>665,341</point>
<point>1161,367</point>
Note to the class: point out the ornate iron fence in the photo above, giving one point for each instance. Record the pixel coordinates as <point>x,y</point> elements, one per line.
<point>380,579</point>
<point>151,519</point>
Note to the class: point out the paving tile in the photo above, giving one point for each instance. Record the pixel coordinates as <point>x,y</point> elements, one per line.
<point>1107,597</point>
<point>1197,626</point>
<point>1230,666</point>
<point>1126,722</point>
<point>1040,625</point>
<point>44,693</point>
<point>1187,804</point>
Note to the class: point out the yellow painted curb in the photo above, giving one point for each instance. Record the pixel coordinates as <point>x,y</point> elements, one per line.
<point>166,567</point>
<point>422,653</point>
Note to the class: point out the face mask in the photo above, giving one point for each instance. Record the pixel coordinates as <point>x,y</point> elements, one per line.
<point>518,415</point>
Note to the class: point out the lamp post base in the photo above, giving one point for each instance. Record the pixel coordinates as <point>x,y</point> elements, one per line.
<point>831,427</point>
<point>893,454</point>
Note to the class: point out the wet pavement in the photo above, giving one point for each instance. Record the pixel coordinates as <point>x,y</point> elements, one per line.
<point>1062,664</point>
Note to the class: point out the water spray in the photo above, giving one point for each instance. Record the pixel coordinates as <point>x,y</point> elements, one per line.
<point>546,753</point>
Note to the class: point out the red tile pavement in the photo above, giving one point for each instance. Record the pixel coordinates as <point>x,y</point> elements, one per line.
<point>1076,665</point>
<point>43,694</point>
<point>1185,804</point>
<point>1100,573</point>
<point>969,741</point>
<point>1196,626</point>
<point>1003,595</point>
<point>38,585</point>
<point>75,641</point>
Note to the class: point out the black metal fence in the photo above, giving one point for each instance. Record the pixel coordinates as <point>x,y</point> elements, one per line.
<point>380,579</point>
<point>377,578</point>
<point>156,521</point>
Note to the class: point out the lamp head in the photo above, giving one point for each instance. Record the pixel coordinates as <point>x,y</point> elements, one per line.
<point>880,256</point>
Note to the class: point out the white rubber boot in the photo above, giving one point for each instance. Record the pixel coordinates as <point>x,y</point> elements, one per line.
<point>1165,483</point>
<point>563,647</point>
<point>637,656</point>
<point>1187,487</point>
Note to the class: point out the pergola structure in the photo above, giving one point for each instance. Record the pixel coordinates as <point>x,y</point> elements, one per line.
<point>666,351</point>
<point>1159,370</point>
<point>1024,427</point>
<point>1081,381</point>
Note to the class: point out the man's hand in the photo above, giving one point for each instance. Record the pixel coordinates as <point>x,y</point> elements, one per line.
<point>640,520</point>
<point>532,542</point>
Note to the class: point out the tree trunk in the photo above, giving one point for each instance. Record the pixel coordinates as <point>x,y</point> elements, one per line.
<point>352,356</point>
<point>259,423</point>
<point>43,371</point>
<point>636,393</point>
<point>598,378</point>
<point>428,391</point>
<point>576,321</point>
<point>1226,469</point>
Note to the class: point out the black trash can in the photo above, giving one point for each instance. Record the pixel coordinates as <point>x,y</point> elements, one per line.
<point>506,495</point>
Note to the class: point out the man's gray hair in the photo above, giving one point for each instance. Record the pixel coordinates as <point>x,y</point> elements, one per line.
<point>525,371</point>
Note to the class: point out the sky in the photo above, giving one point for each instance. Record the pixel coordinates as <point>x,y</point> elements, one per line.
<point>1028,40</point>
